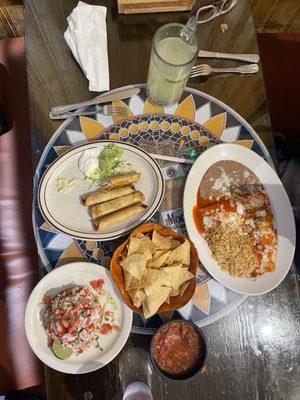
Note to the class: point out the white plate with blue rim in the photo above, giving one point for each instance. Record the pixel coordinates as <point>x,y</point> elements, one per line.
<point>64,210</point>
<point>282,212</point>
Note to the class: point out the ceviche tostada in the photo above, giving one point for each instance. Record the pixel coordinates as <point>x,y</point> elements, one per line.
<point>77,318</point>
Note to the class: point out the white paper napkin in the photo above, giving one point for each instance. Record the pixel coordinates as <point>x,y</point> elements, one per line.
<point>86,36</point>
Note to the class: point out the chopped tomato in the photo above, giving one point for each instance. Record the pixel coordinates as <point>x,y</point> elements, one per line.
<point>75,309</point>
<point>85,304</point>
<point>67,315</point>
<point>74,326</point>
<point>47,299</point>
<point>106,329</point>
<point>117,328</point>
<point>61,330</point>
<point>76,322</point>
<point>73,317</point>
<point>98,284</point>
<point>65,324</point>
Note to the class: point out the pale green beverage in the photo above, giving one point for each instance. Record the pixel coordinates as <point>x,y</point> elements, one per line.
<point>170,64</point>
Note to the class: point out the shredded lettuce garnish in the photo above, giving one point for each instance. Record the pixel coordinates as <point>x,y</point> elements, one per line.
<point>65,186</point>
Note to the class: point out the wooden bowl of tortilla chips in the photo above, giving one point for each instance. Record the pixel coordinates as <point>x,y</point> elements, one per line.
<point>155,270</point>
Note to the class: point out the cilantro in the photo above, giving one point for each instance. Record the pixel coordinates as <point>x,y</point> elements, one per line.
<point>97,344</point>
<point>112,301</point>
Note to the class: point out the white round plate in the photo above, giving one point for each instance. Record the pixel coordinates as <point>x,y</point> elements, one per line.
<point>281,207</point>
<point>59,279</point>
<point>65,212</point>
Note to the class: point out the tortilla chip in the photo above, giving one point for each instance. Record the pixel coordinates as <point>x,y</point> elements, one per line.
<point>150,277</point>
<point>183,288</point>
<point>181,254</point>
<point>142,246</point>
<point>180,290</point>
<point>176,276</point>
<point>174,292</point>
<point>156,277</point>
<point>139,283</point>
<point>137,296</point>
<point>146,311</point>
<point>185,266</point>
<point>174,264</point>
<point>154,270</point>
<point>124,255</point>
<point>135,264</point>
<point>155,297</point>
<point>127,278</point>
<point>159,257</point>
<point>141,235</point>
<point>163,242</point>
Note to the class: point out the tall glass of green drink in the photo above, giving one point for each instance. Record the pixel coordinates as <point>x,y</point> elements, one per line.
<point>171,61</point>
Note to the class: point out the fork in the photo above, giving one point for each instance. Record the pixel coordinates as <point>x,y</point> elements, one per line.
<point>205,69</point>
<point>104,110</point>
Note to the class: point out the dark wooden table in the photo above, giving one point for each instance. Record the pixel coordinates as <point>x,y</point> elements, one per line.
<point>254,351</point>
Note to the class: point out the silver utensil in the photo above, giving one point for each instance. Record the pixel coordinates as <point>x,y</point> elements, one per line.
<point>253,58</point>
<point>172,159</point>
<point>205,69</point>
<point>99,100</point>
<point>104,110</point>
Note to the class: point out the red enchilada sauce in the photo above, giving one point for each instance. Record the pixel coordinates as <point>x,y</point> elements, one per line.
<point>205,205</point>
<point>230,195</point>
<point>177,348</point>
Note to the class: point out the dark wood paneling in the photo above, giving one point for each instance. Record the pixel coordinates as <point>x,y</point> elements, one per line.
<point>282,83</point>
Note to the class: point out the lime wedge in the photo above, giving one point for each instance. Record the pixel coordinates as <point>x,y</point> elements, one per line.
<point>60,351</point>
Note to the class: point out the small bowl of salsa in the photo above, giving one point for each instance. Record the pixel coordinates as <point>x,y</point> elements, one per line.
<point>178,350</point>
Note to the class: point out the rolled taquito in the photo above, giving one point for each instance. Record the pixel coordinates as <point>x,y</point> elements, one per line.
<point>98,210</point>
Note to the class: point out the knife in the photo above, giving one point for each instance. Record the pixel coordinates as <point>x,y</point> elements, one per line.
<point>252,58</point>
<point>107,98</point>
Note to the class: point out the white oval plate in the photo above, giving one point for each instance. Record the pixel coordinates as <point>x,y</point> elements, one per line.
<point>282,212</point>
<point>65,212</point>
<point>67,276</point>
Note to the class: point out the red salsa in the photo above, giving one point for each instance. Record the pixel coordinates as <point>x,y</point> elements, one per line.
<point>177,348</point>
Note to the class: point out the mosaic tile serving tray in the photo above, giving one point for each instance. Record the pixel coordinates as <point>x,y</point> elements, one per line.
<point>197,122</point>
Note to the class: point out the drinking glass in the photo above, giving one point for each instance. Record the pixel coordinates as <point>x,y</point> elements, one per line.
<point>171,61</point>
<point>135,375</point>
